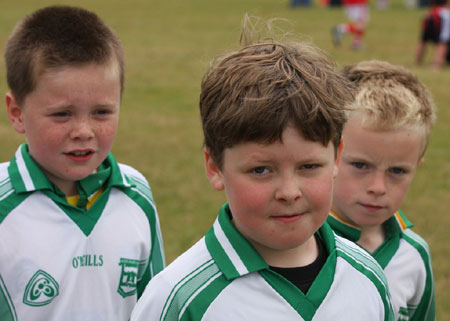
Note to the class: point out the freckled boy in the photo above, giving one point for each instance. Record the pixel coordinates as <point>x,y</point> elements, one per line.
<point>79,232</point>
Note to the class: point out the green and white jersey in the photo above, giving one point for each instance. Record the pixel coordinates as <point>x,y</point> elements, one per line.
<point>406,260</point>
<point>223,278</point>
<point>61,262</point>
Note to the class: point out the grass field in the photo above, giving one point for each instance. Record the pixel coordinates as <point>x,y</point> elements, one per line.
<point>168,46</point>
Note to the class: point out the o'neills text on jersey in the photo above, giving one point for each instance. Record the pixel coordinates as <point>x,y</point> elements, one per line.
<point>87,260</point>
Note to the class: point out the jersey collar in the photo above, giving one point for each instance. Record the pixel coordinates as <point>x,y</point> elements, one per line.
<point>395,225</point>
<point>26,176</point>
<point>234,255</point>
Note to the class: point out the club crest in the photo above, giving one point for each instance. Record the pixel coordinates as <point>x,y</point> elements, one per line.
<point>41,289</point>
<point>128,277</point>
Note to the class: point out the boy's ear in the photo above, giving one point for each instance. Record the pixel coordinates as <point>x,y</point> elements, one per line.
<point>213,172</point>
<point>421,161</point>
<point>14,113</point>
<point>338,158</point>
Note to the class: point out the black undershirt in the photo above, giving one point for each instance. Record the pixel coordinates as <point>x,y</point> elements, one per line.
<point>302,277</point>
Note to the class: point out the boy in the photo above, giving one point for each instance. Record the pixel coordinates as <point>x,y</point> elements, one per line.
<point>435,29</point>
<point>79,233</point>
<point>272,116</point>
<point>385,140</point>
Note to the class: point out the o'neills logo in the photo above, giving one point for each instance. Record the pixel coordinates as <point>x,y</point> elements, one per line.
<point>128,277</point>
<point>41,289</point>
<point>87,260</point>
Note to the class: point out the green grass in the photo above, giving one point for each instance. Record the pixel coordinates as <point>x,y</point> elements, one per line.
<point>168,46</point>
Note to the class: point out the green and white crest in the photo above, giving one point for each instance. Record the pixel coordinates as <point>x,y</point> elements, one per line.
<point>128,277</point>
<point>41,289</point>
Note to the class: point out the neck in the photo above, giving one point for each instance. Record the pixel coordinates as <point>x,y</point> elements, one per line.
<point>372,237</point>
<point>299,256</point>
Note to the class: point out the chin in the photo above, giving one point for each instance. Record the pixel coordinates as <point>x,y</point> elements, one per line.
<point>79,176</point>
<point>290,244</point>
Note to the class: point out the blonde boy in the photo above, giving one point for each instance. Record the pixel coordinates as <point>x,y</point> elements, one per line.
<point>385,140</point>
<point>272,114</point>
<point>79,232</point>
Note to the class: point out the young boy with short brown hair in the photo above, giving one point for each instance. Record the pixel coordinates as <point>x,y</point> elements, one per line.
<point>79,232</point>
<point>385,140</point>
<point>272,116</point>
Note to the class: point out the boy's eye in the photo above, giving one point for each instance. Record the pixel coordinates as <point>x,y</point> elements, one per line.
<point>260,170</point>
<point>102,111</point>
<point>60,114</point>
<point>309,166</point>
<point>398,171</point>
<point>359,165</point>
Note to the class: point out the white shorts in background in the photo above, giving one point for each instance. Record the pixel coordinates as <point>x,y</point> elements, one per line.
<point>357,12</point>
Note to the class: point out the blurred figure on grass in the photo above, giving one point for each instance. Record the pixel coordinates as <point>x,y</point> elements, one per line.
<point>435,29</point>
<point>357,12</point>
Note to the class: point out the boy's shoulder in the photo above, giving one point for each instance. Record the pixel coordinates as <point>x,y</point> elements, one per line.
<point>132,173</point>
<point>4,171</point>
<point>134,184</point>
<point>9,198</point>
<point>413,249</point>
<point>415,240</point>
<point>193,261</point>
<point>176,284</point>
<point>5,181</point>
<point>409,239</point>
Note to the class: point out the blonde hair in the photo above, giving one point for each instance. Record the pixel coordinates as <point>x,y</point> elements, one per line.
<point>391,97</point>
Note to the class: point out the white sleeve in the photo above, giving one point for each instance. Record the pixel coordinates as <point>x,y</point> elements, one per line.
<point>444,36</point>
<point>152,303</point>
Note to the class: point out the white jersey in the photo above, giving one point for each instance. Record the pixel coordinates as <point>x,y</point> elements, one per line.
<point>60,262</point>
<point>405,258</point>
<point>223,278</point>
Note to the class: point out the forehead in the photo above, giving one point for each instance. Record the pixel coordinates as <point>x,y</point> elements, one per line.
<point>401,144</point>
<point>292,146</point>
<point>87,84</point>
<point>42,67</point>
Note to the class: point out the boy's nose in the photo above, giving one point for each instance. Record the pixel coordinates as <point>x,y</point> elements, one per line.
<point>82,130</point>
<point>288,190</point>
<point>377,184</point>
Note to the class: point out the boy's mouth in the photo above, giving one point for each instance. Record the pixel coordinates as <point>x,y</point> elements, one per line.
<point>372,207</point>
<point>80,155</point>
<point>288,217</point>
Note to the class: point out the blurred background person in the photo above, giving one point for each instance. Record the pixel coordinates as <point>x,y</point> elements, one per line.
<point>357,12</point>
<point>436,30</point>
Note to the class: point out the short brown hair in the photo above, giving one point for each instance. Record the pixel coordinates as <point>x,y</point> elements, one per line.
<point>57,36</point>
<point>253,94</point>
<point>391,97</point>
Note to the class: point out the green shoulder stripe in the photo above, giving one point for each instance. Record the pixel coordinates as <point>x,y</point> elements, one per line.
<point>6,188</point>
<point>142,186</point>
<point>204,297</point>
<point>7,310</point>
<point>426,310</point>
<point>141,194</point>
<point>192,295</point>
<point>9,200</point>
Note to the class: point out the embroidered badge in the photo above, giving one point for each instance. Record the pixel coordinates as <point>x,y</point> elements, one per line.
<point>128,277</point>
<point>41,289</point>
